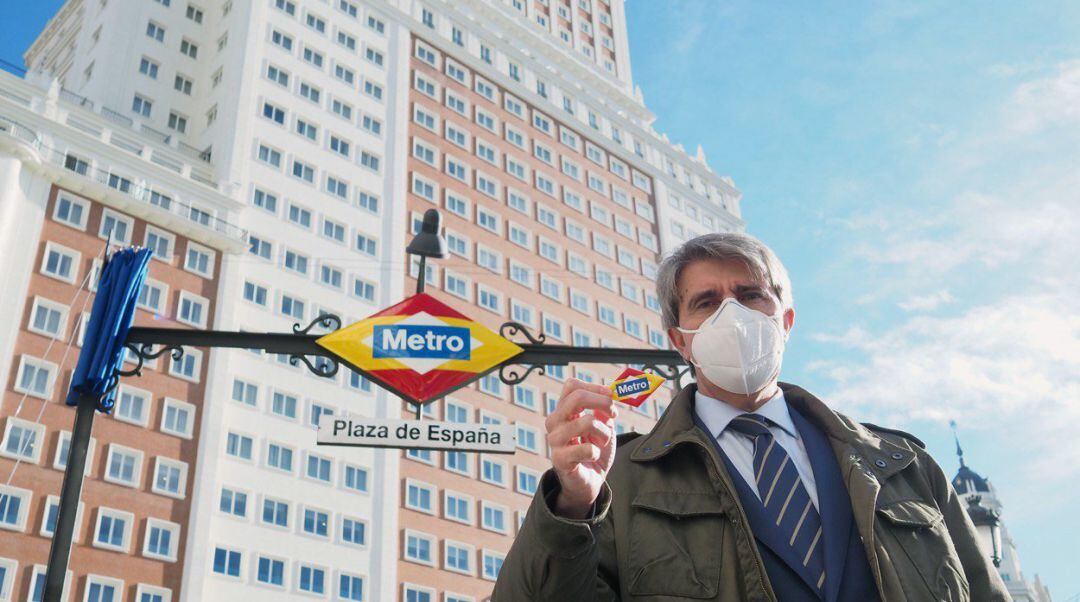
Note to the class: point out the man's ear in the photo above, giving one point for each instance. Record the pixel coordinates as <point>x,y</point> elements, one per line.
<point>789,321</point>
<point>680,342</point>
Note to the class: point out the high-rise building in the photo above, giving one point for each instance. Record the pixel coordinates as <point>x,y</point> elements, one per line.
<point>331,126</point>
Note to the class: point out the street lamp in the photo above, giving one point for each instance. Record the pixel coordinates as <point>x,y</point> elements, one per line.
<point>427,243</point>
<point>982,516</point>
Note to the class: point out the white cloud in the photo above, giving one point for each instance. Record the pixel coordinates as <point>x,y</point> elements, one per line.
<point>1049,101</point>
<point>1010,369</point>
<point>976,229</point>
<point>926,302</point>
<point>695,21</point>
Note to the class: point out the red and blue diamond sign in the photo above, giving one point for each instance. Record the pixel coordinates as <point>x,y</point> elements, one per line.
<point>420,348</point>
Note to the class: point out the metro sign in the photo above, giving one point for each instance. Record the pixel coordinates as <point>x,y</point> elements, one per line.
<point>633,387</point>
<point>420,349</point>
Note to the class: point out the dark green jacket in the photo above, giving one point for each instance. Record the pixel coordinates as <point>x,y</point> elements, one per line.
<point>670,526</point>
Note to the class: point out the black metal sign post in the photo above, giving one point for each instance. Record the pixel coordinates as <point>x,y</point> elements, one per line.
<point>146,343</point>
<point>70,492</point>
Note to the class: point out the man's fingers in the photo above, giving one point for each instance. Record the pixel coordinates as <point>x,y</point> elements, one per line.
<point>565,458</point>
<point>585,426</point>
<point>579,399</point>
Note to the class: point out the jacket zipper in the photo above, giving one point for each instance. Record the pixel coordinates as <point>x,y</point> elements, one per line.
<point>710,465</point>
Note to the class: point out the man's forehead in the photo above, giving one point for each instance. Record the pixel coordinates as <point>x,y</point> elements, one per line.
<point>716,274</point>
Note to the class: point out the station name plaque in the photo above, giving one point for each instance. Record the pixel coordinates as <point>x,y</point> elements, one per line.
<point>418,434</point>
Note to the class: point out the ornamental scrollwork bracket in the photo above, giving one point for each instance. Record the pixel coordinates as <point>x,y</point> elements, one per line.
<point>672,373</point>
<point>510,329</point>
<point>145,352</point>
<point>515,374</point>
<point>327,321</point>
<point>325,369</point>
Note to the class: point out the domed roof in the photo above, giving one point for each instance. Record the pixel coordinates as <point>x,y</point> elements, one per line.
<point>969,481</point>
<point>966,480</point>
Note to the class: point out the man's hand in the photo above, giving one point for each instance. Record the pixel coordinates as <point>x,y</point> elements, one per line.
<point>582,444</point>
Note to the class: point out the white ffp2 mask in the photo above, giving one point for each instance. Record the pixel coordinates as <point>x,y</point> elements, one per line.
<point>737,348</point>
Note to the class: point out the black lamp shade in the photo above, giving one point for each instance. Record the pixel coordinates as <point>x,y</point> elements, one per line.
<point>428,242</point>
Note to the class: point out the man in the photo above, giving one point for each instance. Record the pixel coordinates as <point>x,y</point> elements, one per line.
<point>746,488</point>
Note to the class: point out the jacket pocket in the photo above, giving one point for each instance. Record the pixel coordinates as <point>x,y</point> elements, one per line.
<point>922,539</point>
<point>675,544</point>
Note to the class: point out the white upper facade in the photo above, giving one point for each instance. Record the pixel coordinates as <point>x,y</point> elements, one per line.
<point>291,106</point>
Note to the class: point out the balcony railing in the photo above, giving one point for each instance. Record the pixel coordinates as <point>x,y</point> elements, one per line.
<point>138,190</point>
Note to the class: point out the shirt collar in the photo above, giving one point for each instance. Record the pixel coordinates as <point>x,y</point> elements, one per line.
<point>717,414</point>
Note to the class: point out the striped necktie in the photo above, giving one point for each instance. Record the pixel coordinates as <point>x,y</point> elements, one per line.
<point>784,497</point>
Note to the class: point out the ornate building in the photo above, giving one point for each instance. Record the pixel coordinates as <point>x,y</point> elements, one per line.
<point>985,510</point>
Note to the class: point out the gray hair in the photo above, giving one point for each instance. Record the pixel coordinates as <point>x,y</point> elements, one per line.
<point>763,264</point>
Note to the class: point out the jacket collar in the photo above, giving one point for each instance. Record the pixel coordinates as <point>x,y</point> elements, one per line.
<point>881,457</point>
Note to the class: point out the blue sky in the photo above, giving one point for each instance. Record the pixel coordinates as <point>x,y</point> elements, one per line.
<point>915,166</point>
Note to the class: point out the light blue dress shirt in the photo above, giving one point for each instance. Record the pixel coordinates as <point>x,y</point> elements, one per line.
<point>716,415</point>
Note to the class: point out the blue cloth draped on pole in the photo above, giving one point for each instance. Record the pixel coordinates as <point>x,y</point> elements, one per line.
<point>106,333</point>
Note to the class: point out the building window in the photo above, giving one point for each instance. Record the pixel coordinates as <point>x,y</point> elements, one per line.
<point>233,502</point>
<point>356,478</point>
<point>199,260</point>
<point>316,522</point>
<point>14,508</point>
<point>124,465</point>
<point>155,31</point>
<point>148,67</point>
<point>418,548</point>
<point>48,318</point>
<point>493,562</point>
<point>183,84</point>
<point>161,540</point>
<point>419,497</point>
<point>353,531</point>
<point>363,289</point>
<point>170,477</point>
<point>491,385</point>
<point>238,446</point>
<point>275,512</point>
<point>527,480</point>
<point>311,92</point>
<point>458,507</point>
<point>306,129</point>
<point>318,468</point>
<point>303,171</point>
<point>192,310</point>
<point>245,392</point>
<point>102,589</point>
<point>366,245</point>
<point>526,438</point>
<point>489,299</point>
<point>270,571</point>
<point>152,296</point>
<point>279,457</point>
<point>313,58</point>
<point>60,262</point>
<point>457,557</point>
<point>113,529</point>
<point>493,471</point>
<point>226,562</point>
<point>132,405</point>
<point>189,48</point>
<point>351,587</point>
<point>22,440</point>
<point>493,517</point>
